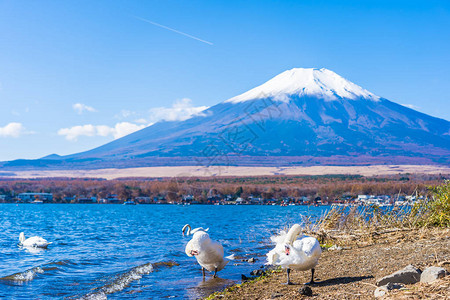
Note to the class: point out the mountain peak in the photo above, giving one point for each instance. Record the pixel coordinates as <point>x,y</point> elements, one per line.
<point>321,83</point>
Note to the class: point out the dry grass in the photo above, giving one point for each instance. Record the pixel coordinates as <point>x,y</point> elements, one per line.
<point>342,224</point>
<point>377,242</point>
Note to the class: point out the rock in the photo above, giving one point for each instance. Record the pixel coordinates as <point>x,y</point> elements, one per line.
<point>394,286</point>
<point>257,273</point>
<point>251,260</point>
<point>306,291</point>
<point>380,291</point>
<point>443,263</point>
<point>335,248</point>
<point>244,278</point>
<point>431,274</point>
<point>383,290</point>
<point>276,295</point>
<point>408,275</point>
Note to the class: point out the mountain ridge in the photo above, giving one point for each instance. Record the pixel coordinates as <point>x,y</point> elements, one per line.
<point>299,117</point>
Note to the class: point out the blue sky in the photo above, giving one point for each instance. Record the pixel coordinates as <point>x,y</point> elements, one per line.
<point>77,74</point>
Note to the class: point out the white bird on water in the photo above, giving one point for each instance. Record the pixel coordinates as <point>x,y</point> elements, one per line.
<point>302,254</point>
<point>189,230</point>
<point>209,254</point>
<point>34,241</point>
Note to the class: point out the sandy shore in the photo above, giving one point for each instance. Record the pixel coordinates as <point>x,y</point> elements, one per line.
<point>351,273</point>
<point>195,171</point>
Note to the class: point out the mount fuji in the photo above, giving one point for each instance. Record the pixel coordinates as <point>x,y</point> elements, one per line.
<point>299,117</point>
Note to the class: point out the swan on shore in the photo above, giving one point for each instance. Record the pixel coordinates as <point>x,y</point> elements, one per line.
<point>209,254</point>
<point>34,241</point>
<point>291,253</point>
<point>189,230</point>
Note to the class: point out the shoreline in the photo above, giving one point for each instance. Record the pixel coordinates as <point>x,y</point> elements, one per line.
<point>352,272</point>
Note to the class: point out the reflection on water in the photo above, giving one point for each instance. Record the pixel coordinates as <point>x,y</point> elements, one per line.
<point>115,251</point>
<point>208,286</point>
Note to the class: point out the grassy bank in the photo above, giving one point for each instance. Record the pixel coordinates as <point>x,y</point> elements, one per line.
<point>373,242</point>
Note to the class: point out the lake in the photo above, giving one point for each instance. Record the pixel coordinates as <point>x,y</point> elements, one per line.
<point>119,251</point>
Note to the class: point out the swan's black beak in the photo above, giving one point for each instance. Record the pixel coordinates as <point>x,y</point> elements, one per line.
<point>287,249</point>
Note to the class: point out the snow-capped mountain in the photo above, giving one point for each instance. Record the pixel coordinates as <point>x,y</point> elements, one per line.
<point>299,117</point>
<point>320,83</point>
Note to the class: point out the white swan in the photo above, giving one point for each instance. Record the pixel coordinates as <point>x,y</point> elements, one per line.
<point>192,231</point>
<point>302,254</point>
<point>209,254</point>
<point>34,241</point>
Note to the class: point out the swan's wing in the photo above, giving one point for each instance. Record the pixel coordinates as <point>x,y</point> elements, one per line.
<point>272,257</point>
<point>309,246</point>
<point>199,229</point>
<point>217,248</point>
<point>279,238</point>
<point>230,257</point>
<point>35,241</point>
<point>189,247</point>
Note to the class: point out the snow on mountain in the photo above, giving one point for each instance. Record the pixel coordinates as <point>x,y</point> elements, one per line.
<point>320,83</point>
<point>300,117</point>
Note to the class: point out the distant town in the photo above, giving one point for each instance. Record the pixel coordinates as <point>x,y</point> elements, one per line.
<point>263,190</point>
<point>379,200</point>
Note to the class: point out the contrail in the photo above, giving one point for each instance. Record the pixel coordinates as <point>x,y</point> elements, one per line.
<point>174,30</point>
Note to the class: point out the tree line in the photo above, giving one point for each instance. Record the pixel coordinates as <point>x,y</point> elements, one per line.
<point>202,188</point>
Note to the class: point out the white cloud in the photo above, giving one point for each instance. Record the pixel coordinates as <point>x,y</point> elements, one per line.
<point>124,113</point>
<point>412,106</point>
<point>124,128</point>
<point>141,121</point>
<point>119,130</point>
<point>80,108</point>
<point>181,110</point>
<point>12,129</point>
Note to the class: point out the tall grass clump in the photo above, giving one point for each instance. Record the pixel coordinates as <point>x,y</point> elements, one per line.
<point>434,211</point>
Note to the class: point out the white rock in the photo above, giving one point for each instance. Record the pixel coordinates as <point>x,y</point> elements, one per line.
<point>408,275</point>
<point>431,274</point>
<point>380,291</point>
<point>335,248</point>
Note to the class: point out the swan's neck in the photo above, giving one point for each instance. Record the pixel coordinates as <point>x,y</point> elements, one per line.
<point>22,237</point>
<point>293,233</point>
<point>188,228</point>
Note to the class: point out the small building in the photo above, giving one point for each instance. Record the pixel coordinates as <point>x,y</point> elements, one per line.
<point>188,199</point>
<point>143,200</point>
<point>113,199</point>
<point>30,197</point>
<point>69,199</point>
<point>87,200</point>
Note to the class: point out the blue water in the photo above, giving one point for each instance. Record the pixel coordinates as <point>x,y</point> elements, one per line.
<point>118,251</point>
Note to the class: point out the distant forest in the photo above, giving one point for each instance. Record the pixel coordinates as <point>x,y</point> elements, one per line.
<point>329,187</point>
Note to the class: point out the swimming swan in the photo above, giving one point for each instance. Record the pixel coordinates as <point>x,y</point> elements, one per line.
<point>34,241</point>
<point>209,254</point>
<point>302,254</point>
<point>189,231</point>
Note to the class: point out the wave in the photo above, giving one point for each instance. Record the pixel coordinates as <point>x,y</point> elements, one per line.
<point>24,276</point>
<point>32,273</point>
<point>121,281</point>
